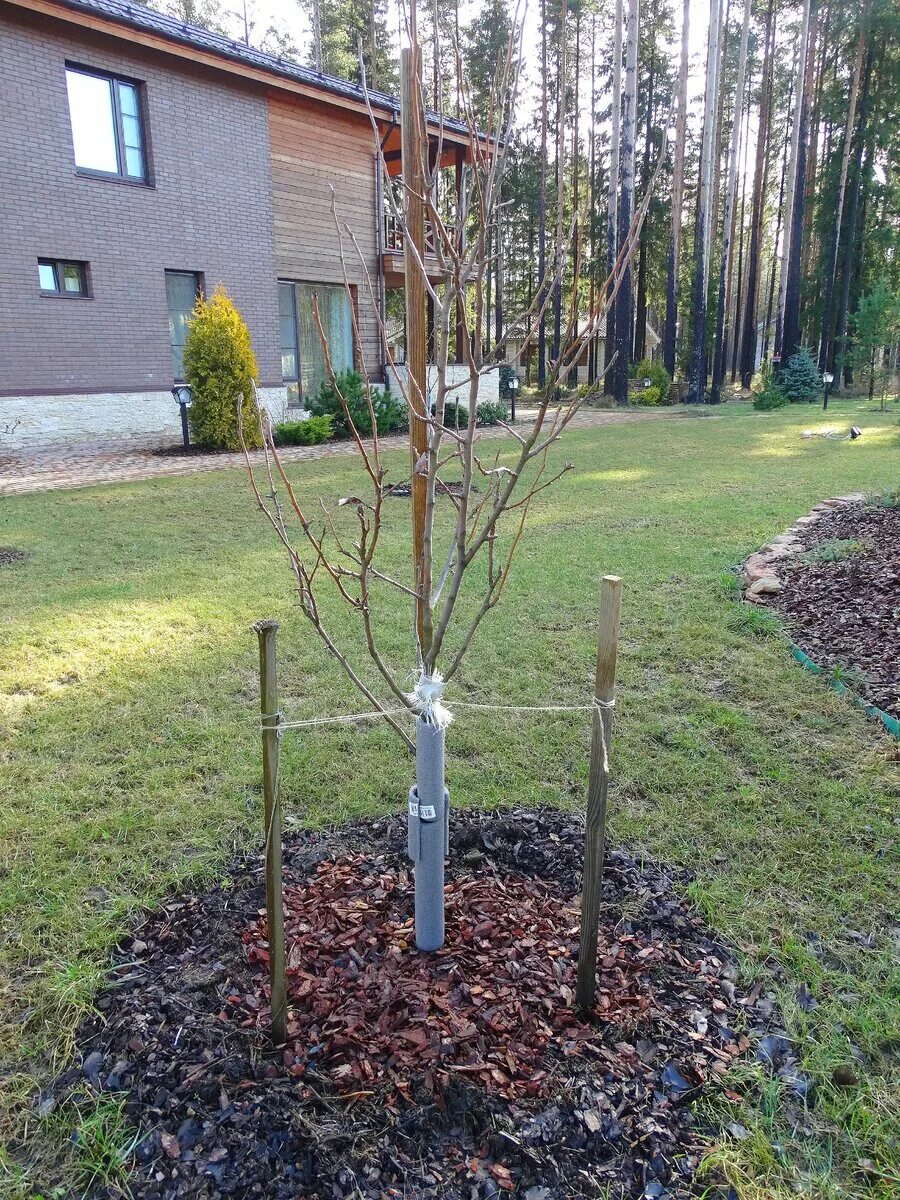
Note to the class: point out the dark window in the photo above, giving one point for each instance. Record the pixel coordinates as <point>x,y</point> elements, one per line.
<point>58,277</point>
<point>302,356</point>
<point>182,291</point>
<point>107,126</point>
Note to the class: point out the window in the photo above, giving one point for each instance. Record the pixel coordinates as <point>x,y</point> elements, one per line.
<point>107,130</point>
<point>182,290</point>
<point>302,356</point>
<point>61,278</point>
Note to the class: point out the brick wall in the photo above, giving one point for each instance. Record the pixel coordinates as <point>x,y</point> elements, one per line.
<point>210,210</point>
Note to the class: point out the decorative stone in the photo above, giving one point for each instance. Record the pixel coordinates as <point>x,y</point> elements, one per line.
<point>756,567</point>
<point>767,586</point>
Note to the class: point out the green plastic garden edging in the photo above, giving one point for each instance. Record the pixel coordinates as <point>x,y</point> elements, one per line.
<point>891,724</point>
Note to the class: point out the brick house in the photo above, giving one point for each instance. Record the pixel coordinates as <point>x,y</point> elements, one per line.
<point>142,161</point>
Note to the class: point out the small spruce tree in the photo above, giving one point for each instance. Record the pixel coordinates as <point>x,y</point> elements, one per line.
<point>220,366</point>
<point>800,380</point>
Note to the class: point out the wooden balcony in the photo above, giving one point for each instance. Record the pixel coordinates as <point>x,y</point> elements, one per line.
<point>392,257</point>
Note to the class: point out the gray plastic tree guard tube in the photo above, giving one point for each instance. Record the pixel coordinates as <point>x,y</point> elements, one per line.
<point>428,833</point>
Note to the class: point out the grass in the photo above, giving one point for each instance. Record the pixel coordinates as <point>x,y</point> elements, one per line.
<point>130,749</point>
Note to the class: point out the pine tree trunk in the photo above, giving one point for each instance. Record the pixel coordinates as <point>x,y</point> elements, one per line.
<point>791,330</point>
<point>812,161</point>
<point>831,275</point>
<point>640,320</point>
<point>670,328</point>
<point>560,172</point>
<point>748,334</point>
<point>728,223</point>
<point>853,246</point>
<point>612,211</point>
<point>797,93</point>
<point>542,212</point>
<point>626,203</point>
<point>702,239</point>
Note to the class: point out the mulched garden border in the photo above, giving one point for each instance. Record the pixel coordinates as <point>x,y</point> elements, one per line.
<point>220,1114</point>
<point>835,579</point>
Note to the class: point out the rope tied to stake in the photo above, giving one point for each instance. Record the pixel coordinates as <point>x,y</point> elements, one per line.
<point>275,723</point>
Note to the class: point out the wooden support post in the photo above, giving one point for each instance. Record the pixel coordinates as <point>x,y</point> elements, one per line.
<point>412,129</point>
<point>268,695</point>
<point>598,788</point>
<point>460,182</point>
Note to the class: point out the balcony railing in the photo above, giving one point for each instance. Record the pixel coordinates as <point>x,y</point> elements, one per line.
<point>393,235</point>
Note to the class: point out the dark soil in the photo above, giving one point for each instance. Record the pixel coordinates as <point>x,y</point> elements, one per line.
<point>463,1074</point>
<point>11,557</point>
<point>846,614</point>
<point>452,487</point>
<point>182,451</point>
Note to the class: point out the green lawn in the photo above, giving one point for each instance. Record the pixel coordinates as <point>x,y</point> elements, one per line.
<point>130,747</point>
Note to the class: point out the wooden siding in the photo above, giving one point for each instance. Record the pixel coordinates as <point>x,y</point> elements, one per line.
<point>312,147</point>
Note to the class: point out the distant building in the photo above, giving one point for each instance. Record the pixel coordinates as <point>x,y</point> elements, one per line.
<point>144,161</point>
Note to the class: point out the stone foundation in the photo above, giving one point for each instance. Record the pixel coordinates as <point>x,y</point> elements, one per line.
<point>148,418</point>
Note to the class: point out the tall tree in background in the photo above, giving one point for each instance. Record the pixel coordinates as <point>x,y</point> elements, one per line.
<point>720,343</point>
<point>341,27</point>
<point>703,234</point>
<point>626,204</point>
<point>751,293</point>
<point>790,338</point>
<point>841,358</point>
<point>542,212</point>
<point>825,341</point>
<point>670,330</point>
<point>560,166</point>
<point>615,151</point>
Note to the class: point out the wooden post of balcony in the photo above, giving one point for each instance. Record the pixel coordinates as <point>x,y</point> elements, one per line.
<point>412,128</point>
<point>460,245</point>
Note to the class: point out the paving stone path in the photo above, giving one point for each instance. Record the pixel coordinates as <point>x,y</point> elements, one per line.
<point>52,468</point>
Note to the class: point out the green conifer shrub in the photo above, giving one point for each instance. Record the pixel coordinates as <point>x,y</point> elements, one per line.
<point>220,367</point>
<point>800,380</point>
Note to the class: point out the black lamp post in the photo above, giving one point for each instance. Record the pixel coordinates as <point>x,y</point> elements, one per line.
<point>182,394</point>
<point>513,389</point>
<point>827,379</point>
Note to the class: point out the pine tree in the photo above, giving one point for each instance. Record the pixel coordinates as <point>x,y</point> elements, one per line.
<point>345,25</point>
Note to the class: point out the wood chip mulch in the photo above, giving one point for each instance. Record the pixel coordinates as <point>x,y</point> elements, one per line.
<point>846,613</point>
<point>367,1008</point>
<point>464,1074</point>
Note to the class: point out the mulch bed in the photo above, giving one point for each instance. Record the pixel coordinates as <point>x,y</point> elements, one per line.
<point>846,614</point>
<point>464,1074</point>
<point>451,487</point>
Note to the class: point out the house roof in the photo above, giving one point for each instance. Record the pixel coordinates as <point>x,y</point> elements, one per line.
<point>148,21</point>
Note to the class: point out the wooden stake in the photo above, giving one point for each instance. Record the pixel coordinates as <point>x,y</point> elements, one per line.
<point>412,128</point>
<point>268,695</point>
<point>598,788</point>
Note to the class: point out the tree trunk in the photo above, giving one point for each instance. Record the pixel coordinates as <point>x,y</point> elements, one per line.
<point>640,320</point>
<point>560,171</point>
<point>728,223</point>
<point>626,203</point>
<point>697,373</point>
<point>748,336</point>
<point>791,331</point>
<point>670,328</point>
<point>853,259</point>
<point>612,214</point>
<point>542,212</point>
<point>792,177</point>
<point>831,276</point>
